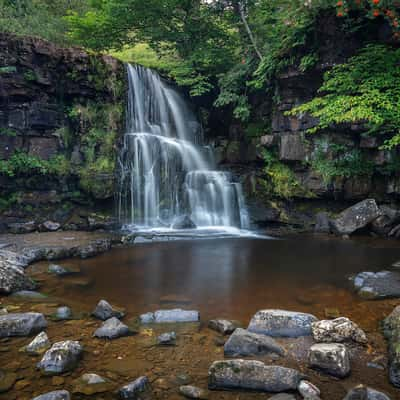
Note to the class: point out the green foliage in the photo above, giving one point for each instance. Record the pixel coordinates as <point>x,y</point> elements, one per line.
<point>365,90</point>
<point>280,180</point>
<point>8,132</point>
<point>331,160</point>
<point>8,200</point>
<point>8,70</point>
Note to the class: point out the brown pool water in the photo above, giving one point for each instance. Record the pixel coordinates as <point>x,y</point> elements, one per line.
<point>230,278</point>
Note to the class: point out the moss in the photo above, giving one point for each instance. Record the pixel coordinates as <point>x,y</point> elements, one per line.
<point>29,76</point>
<point>8,70</point>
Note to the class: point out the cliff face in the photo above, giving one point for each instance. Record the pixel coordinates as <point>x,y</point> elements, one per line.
<point>61,115</point>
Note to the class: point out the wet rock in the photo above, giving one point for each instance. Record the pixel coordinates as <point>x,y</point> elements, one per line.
<point>281,323</point>
<point>183,222</point>
<point>338,330</point>
<point>90,384</point>
<point>252,375</point>
<point>322,223</point>
<point>167,339</point>
<point>332,358</point>
<point>61,357</point>
<point>193,392</point>
<point>63,313</point>
<point>362,392</point>
<point>56,395</point>
<point>170,316</point>
<point>96,247</point>
<point>105,311</point>
<point>308,390</point>
<point>62,271</point>
<point>391,329</point>
<point>50,226</point>
<point>22,227</point>
<point>355,217</point>
<point>21,324</point>
<point>223,326</point>
<point>282,396</point>
<point>135,389</point>
<point>29,294</point>
<point>245,343</point>
<point>38,345</point>
<point>377,285</point>
<point>13,278</point>
<point>112,328</point>
<point>7,380</point>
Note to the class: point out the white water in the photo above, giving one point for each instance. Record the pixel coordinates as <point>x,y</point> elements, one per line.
<point>166,172</point>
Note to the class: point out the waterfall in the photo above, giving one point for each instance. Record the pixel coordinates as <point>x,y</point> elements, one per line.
<point>165,170</point>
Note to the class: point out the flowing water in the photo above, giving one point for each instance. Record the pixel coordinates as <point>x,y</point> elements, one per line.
<point>166,171</point>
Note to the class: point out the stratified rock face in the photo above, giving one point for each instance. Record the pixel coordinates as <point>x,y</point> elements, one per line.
<point>56,395</point>
<point>281,323</point>
<point>377,285</point>
<point>252,375</point>
<point>21,324</point>
<point>365,393</point>
<point>104,311</point>
<point>61,357</point>
<point>245,343</point>
<point>356,217</point>
<point>134,390</point>
<point>170,316</point>
<point>113,328</point>
<point>338,330</point>
<point>332,358</point>
<point>392,334</point>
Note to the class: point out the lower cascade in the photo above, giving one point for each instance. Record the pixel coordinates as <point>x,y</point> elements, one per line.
<point>167,174</point>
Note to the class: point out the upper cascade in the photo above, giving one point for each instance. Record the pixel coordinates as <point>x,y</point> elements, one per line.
<point>166,171</point>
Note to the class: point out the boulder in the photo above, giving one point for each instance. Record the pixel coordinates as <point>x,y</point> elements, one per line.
<point>56,395</point>
<point>38,345</point>
<point>183,222</point>
<point>245,343</point>
<point>167,339</point>
<point>308,390</point>
<point>332,358</point>
<point>193,392</point>
<point>389,218</point>
<point>61,357</point>
<point>135,389</point>
<point>90,384</point>
<point>391,328</point>
<point>170,316</point>
<point>252,375</point>
<point>362,392</point>
<point>105,311</point>
<point>223,326</point>
<point>113,328</point>
<point>377,285</point>
<point>13,278</point>
<point>356,217</point>
<point>281,323</point>
<point>21,324</point>
<point>338,330</point>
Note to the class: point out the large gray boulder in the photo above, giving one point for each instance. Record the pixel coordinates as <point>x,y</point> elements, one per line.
<point>338,330</point>
<point>13,278</point>
<point>61,357</point>
<point>362,392</point>
<point>332,358</point>
<point>104,310</point>
<point>252,375</point>
<point>21,324</point>
<point>392,333</point>
<point>113,328</point>
<point>170,316</point>
<point>377,285</point>
<point>281,323</point>
<point>356,217</point>
<point>245,343</point>
<point>56,395</point>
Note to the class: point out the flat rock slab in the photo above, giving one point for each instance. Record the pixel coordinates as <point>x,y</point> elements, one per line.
<point>252,375</point>
<point>170,316</point>
<point>355,217</point>
<point>377,285</point>
<point>113,328</point>
<point>365,393</point>
<point>332,358</point>
<point>245,343</point>
<point>281,323</point>
<point>56,395</point>
<point>61,357</point>
<point>21,324</point>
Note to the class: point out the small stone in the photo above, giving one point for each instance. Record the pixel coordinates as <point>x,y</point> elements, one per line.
<point>113,328</point>
<point>167,339</point>
<point>170,316</point>
<point>7,380</point>
<point>193,392</point>
<point>332,358</point>
<point>38,345</point>
<point>132,390</point>
<point>89,384</point>
<point>63,313</point>
<point>308,390</point>
<point>223,326</point>
<point>56,395</point>
<point>50,226</point>
<point>105,311</point>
